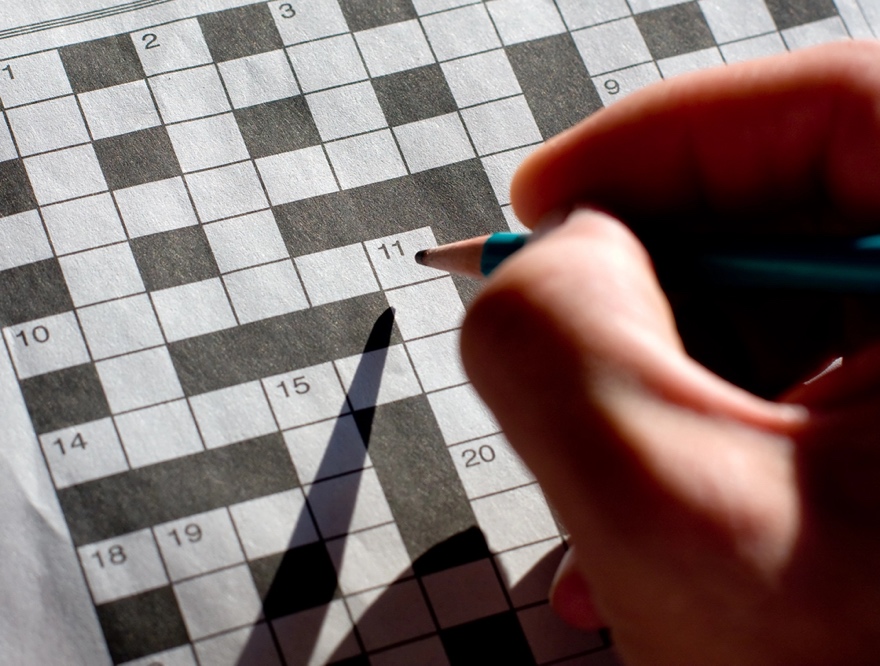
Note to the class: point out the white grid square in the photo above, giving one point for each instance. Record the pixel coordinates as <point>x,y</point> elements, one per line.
<point>260,78</point>
<point>189,94</point>
<point>49,125</point>
<point>437,361</point>
<point>179,656</point>
<point>265,291</point>
<point>481,78</point>
<point>461,32</point>
<point>22,240</point>
<point>120,326</point>
<point>175,45</point>
<point>139,380</point>
<point>500,168</point>
<point>233,414</point>
<point>227,191</point>
<point>45,345</point>
<point>690,62</point>
<point>310,20</point>
<point>327,63</point>
<point>325,449</point>
<point>611,46</point>
<point>298,174</point>
<point>514,518</point>
<point>813,34</point>
<point>107,580</point>
<point>639,6</point>
<point>366,159</point>
<point>209,142</point>
<point>434,142</point>
<point>382,376</point>
<point>305,395</point>
<point>82,224</point>
<point>273,524</point>
<point>101,274</point>
<point>522,20</point>
<point>461,414</point>
<point>7,147</point>
<point>337,274</point>
<point>426,308</point>
<point>155,207</point>
<point>501,125</point>
<point>580,14</point>
<point>528,571</point>
<point>489,465</point>
<point>325,632</point>
<point>756,47</point>
<point>346,110</point>
<point>119,109</point>
<point>617,85</point>
<point>198,544</point>
<point>394,48</point>
<point>234,602</point>
<point>65,174</point>
<point>35,77</point>
<point>551,639</point>
<point>245,241</point>
<point>391,615</point>
<point>368,559</point>
<point>393,257</point>
<point>159,433</point>
<point>485,596</point>
<point>82,453</point>
<point>249,645</point>
<point>193,309</point>
<point>732,20</point>
<point>427,651</point>
<point>349,503</point>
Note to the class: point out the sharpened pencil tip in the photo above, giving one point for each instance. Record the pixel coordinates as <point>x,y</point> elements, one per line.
<point>420,257</point>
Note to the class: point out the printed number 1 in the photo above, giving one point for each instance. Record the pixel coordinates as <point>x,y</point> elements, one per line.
<point>387,252</point>
<point>8,70</point>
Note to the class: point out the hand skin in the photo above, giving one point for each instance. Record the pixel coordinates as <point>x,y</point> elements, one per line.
<point>710,526</point>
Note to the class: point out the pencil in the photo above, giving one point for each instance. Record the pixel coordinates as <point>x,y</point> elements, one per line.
<point>848,265</point>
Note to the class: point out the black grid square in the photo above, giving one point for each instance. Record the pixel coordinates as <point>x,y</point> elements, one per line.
<point>497,639</point>
<point>243,31</point>
<point>137,158</point>
<point>64,398</point>
<point>174,258</point>
<point>142,625</point>
<point>366,14</point>
<point>277,127</point>
<point>675,30</point>
<point>555,82</point>
<point>791,13</point>
<point>296,580</point>
<point>413,95</point>
<point>101,63</point>
<point>16,194</point>
<point>32,291</point>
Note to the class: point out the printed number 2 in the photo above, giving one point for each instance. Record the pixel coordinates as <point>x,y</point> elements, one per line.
<point>150,40</point>
<point>287,10</point>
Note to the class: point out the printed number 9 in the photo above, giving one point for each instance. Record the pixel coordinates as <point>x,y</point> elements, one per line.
<point>287,10</point>
<point>612,86</point>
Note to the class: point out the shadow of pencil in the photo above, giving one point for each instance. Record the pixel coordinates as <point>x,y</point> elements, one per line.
<point>304,581</point>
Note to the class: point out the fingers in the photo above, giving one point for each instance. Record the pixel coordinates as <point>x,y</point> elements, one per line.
<point>573,347</point>
<point>794,132</point>
<point>570,596</point>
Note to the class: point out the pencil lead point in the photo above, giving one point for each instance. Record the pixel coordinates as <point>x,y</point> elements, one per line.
<point>420,257</point>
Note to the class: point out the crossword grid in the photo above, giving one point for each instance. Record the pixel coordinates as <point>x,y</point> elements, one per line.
<point>201,222</point>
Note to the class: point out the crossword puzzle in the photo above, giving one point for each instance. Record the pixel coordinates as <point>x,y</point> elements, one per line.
<point>246,392</point>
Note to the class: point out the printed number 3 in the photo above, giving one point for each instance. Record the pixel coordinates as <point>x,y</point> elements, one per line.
<point>287,10</point>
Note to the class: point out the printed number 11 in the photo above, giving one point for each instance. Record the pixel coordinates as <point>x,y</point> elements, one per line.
<point>387,252</point>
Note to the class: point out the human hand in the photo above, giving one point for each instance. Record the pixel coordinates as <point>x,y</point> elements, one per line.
<point>710,526</point>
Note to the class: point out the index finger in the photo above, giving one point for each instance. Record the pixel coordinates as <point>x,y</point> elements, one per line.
<point>798,132</point>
